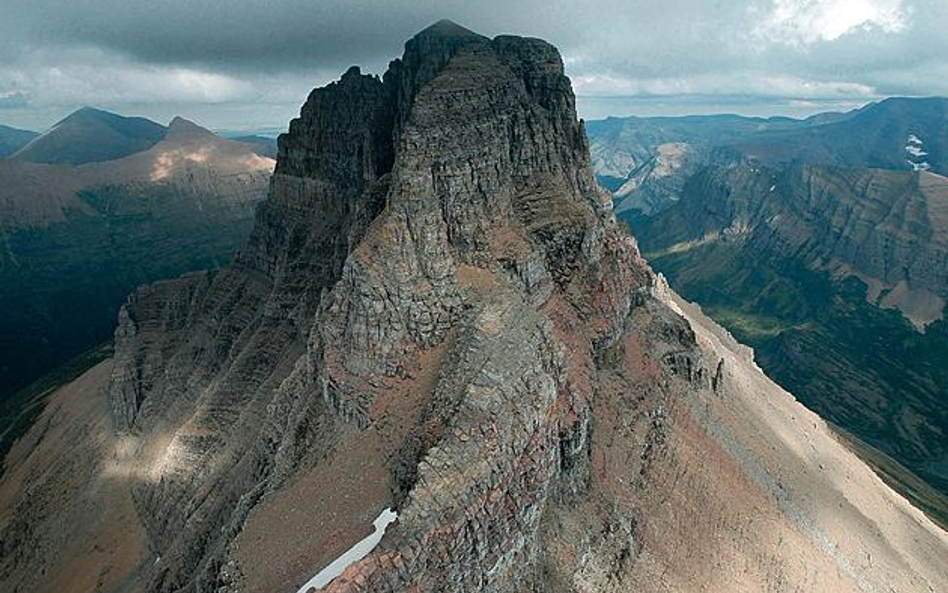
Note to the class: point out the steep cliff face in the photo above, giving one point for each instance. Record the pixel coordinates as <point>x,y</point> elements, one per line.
<point>438,313</point>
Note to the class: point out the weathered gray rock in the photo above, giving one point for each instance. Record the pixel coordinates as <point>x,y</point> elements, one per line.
<point>402,211</point>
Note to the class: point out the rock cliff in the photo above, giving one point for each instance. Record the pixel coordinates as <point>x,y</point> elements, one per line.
<point>437,312</point>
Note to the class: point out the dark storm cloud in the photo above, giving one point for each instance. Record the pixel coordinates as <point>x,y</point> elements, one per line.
<point>261,57</point>
<point>245,34</point>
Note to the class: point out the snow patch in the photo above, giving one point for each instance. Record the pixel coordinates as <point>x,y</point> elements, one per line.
<point>915,148</point>
<point>357,552</point>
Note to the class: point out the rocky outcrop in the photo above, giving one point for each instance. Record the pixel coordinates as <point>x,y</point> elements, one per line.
<point>437,312</point>
<point>455,181</point>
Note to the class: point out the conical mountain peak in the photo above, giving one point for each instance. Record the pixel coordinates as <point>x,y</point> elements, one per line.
<point>447,28</point>
<point>181,129</point>
<point>92,135</point>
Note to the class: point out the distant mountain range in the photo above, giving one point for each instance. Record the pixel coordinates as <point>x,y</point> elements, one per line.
<point>91,135</point>
<point>265,145</point>
<point>823,243</point>
<point>898,134</point>
<point>75,239</point>
<point>644,161</point>
<point>12,140</point>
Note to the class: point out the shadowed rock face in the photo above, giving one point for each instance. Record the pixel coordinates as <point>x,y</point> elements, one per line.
<point>437,312</point>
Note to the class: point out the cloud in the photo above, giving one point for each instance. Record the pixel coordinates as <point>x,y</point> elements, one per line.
<point>759,84</point>
<point>240,61</point>
<point>12,99</point>
<point>804,22</point>
<point>87,74</point>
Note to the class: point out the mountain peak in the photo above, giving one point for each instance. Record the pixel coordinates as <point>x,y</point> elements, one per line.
<point>90,135</point>
<point>94,114</point>
<point>447,28</point>
<point>181,128</point>
<point>178,121</point>
<point>88,110</point>
<point>438,43</point>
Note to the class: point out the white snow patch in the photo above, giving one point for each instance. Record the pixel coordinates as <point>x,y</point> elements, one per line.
<point>357,552</point>
<point>915,148</point>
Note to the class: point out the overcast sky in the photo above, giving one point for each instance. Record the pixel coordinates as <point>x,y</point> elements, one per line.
<point>244,64</point>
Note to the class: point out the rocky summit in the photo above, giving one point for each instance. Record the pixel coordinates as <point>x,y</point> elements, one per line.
<point>437,313</point>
